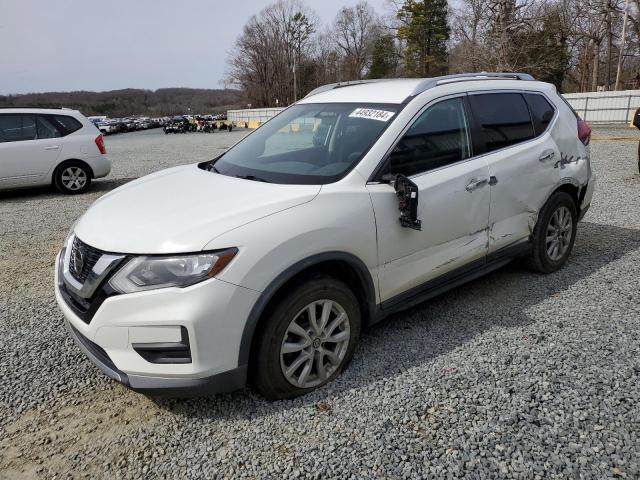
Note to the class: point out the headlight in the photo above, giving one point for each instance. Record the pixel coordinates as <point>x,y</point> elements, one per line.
<point>151,272</point>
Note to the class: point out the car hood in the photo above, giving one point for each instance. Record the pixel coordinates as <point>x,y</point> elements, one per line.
<point>181,210</point>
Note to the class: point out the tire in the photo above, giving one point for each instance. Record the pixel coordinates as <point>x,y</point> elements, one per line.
<point>283,325</point>
<point>558,218</point>
<point>72,177</point>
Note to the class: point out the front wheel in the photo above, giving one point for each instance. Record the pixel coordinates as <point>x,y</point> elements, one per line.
<point>555,233</point>
<point>72,178</point>
<point>307,340</point>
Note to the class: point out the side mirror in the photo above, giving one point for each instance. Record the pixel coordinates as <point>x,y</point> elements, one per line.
<point>407,193</point>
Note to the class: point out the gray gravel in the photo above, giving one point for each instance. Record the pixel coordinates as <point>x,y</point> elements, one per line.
<point>514,375</point>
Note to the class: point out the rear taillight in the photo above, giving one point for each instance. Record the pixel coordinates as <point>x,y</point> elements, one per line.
<point>584,131</point>
<point>100,144</point>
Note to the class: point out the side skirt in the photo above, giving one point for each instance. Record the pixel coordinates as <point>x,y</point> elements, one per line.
<point>453,279</point>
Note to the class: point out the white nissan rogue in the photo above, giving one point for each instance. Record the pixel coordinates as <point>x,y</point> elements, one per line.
<point>263,265</point>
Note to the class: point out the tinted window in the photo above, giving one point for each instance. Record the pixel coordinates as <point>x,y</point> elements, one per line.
<point>46,129</point>
<point>67,124</point>
<point>315,143</point>
<point>15,127</point>
<point>503,118</point>
<point>541,111</point>
<point>439,137</point>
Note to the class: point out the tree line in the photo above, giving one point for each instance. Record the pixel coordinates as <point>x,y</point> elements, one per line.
<point>123,103</point>
<point>284,51</point>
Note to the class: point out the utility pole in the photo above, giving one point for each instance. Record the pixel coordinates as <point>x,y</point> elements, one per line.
<point>622,42</point>
<point>295,85</point>
<point>609,47</point>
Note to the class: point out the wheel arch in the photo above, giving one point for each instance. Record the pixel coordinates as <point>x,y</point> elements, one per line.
<point>66,162</point>
<point>340,265</point>
<point>572,188</point>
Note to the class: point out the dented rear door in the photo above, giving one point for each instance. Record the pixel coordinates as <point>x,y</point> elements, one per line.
<point>520,155</point>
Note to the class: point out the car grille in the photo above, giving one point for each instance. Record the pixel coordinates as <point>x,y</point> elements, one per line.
<point>82,259</point>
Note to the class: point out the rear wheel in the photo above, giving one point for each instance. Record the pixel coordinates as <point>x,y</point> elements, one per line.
<point>307,340</point>
<point>72,178</point>
<point>555,233</point>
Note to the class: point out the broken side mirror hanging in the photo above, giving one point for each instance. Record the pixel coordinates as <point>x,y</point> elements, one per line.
<point>407,193</point>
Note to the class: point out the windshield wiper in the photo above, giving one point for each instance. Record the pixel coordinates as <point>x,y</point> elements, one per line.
<point>252,177</point>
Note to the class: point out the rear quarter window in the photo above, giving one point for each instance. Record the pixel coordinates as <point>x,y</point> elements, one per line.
<point>541,111</point>
<point>66,124</point>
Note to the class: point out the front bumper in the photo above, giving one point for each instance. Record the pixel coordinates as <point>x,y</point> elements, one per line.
<point>212,312</point>
<point>172,387</point>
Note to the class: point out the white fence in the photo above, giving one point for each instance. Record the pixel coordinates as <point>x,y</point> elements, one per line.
<point>252,115</point>
<point>594,107</point>
<point>605,107</point>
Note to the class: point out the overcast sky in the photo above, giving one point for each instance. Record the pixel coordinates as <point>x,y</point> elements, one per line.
<point>64,45</point>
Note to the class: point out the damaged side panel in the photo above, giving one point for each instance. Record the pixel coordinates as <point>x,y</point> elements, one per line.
<point>453,230</point>
<point>527,174</point>
<point>524,182</point>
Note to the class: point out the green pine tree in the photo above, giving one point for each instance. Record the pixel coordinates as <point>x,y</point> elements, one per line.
<point>383,57</point>
<point>425,31</point>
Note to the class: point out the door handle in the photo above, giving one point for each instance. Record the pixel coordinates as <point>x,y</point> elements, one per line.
<point>547,155</point>
<point>52,147</point>
<point>476,183</point>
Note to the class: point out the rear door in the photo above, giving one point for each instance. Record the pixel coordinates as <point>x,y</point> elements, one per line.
<point>521,156</point>
<point>24,159</point>
<point>436,153</point>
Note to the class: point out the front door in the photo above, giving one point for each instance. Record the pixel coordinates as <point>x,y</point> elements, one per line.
<point>436,154</point>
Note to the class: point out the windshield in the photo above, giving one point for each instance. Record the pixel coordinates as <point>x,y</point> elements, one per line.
<point>308,144</point>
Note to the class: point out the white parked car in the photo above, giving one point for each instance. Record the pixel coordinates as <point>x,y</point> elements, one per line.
<point>106,127</point>
<point>264,264</point>
<point>57,147</point>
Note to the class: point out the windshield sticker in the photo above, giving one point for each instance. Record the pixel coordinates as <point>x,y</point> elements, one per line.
<point>372,114</point>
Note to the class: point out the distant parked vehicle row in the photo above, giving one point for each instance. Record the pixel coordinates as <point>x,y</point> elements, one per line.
<point>197,123</point>
<point>120,125</point>
<point>176,124</point>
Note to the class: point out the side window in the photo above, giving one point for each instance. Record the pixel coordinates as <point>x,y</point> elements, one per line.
<point>503,118</point>
<point>16,127</point>
<point>541,111</point>
<point>439,137</point>
<point>28,127</point>
<point>66,124</point>
<point>46,129</point>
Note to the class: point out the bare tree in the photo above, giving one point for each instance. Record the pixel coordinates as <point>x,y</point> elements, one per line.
<point>355,29</point>
<point>469,30</point>
<point>265,57</point>
<point>283,51</point>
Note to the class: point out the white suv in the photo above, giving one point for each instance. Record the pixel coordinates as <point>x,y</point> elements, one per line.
<point>264,264</point>
<point>50,146</point>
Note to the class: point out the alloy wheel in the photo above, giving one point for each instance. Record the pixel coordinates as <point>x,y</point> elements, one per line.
<point>74,178</point>
<point>559,232</point>
<point>315,343</point>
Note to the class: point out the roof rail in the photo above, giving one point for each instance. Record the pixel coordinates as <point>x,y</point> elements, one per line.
<point>331,86</point>
<point>35,108</point>
<point>428,83</point>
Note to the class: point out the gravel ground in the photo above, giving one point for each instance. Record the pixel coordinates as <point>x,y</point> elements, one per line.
<point>514,375</point>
